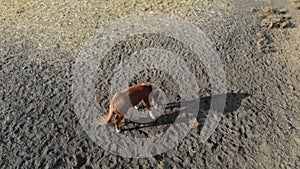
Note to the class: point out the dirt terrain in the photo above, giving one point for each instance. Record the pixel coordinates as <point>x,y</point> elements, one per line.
<point>258,43</point>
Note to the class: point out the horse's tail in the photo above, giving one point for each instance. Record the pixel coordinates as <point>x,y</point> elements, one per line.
<point>108,118</point>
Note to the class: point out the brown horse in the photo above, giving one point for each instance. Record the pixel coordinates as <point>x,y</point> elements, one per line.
<point>132,96</point>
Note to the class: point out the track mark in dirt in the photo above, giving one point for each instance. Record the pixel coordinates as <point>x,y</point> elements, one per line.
<point>275,18</point>
<point>271,18</point>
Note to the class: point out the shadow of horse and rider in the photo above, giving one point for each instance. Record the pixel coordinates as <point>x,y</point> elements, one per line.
<point>232,103</point>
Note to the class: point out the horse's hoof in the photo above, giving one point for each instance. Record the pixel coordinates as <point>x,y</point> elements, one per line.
<point>151,115</point>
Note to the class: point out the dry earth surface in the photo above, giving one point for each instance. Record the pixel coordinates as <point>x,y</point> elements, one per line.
<point>258,43</point>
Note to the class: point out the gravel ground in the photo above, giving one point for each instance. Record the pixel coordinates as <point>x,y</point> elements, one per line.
<point>258,44</point>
